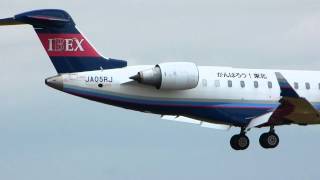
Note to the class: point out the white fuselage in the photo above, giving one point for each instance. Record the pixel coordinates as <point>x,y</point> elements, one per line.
<point>219,89</point>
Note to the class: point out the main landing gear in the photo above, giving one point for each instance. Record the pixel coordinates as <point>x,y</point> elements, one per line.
<point>240,141</point>
<point>267,140</point>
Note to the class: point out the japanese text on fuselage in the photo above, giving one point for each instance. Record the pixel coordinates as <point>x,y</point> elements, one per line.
<point>242,75</point>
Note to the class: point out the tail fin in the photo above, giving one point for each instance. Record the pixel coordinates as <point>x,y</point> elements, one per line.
<point>67,48</point>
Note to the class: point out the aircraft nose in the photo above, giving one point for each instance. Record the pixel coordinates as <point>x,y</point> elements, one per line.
<point>55,82</point>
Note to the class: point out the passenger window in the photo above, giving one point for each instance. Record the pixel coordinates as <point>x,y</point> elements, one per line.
<point>269,84</point>
<point>229,83</point>
<point>255,84</point>
<point>296,85</point>
<point>217,83</point>
<point>242,84</point>
<point>204,82</point>
<point>307,85</point>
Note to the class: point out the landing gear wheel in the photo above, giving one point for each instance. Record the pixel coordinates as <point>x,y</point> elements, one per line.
<point>233,142</point>
<point>239,142</point>
<point>269,140</point>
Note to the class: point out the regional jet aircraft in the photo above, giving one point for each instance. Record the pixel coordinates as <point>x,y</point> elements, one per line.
<point>210,96</point>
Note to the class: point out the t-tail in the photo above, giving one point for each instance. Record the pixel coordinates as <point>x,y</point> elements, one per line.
<point>67,48</point>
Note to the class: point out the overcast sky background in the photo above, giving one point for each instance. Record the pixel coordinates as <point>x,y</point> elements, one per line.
<point>46,134</point>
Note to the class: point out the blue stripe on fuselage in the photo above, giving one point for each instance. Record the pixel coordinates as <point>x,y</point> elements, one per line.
<point>236,113</point>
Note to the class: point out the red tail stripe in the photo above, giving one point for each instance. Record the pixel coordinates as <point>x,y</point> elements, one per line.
<point>67,45</point>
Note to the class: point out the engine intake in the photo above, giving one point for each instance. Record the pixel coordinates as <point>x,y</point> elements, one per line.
<point>170,76</point>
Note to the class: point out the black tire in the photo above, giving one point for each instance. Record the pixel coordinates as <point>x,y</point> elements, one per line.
<point>239,142</point>
<point>269,140</point>
<point>233,142</point>
<point>262,140</point>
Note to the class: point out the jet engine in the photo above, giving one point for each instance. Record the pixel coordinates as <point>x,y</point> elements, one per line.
<point>170,76</point>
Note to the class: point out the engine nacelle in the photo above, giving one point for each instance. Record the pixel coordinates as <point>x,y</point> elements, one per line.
<point>170,76</point>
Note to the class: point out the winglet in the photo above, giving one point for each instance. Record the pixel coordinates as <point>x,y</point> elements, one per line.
<point>285,87</point>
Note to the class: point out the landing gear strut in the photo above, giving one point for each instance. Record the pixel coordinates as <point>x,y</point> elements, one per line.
<point>269,139</point>
<point>240,141</point>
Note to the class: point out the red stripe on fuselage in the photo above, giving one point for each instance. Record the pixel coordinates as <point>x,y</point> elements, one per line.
<point>67,45</point>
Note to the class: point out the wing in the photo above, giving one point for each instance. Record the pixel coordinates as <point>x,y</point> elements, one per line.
<point>196,121</point>
<point>292,109</point>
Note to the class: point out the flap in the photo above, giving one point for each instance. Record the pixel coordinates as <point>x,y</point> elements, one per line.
<point>195,121</point>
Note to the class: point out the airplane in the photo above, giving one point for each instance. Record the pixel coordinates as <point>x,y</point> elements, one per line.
<point>210,96</point>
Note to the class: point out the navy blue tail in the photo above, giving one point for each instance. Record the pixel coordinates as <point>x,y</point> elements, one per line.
<point>67,48</point>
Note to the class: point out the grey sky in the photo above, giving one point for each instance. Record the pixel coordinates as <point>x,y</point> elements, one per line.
<point>46,134</point>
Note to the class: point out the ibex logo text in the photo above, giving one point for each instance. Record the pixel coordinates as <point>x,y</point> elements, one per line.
<point>69,45</point>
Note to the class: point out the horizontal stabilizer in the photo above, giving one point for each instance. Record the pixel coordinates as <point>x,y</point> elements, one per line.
<point>9,21</point>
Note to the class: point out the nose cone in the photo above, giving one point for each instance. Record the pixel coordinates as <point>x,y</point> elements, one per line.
<point>55,82</point>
